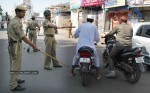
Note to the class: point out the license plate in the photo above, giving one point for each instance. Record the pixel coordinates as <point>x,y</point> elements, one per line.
<point>139,60</point>
<point>85,60</point>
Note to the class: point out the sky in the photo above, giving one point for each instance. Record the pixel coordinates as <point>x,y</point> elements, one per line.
<point>38,5</point>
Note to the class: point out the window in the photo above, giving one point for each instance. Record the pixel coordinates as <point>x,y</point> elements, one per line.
<point>139,32</point>
<point>146,31</point>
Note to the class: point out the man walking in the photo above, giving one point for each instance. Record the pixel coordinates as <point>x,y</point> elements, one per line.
<point>32,26</point>
<point>70,29</point>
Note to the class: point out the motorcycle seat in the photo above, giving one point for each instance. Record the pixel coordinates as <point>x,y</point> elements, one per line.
<point>129,50</point>
<point>83,48</point>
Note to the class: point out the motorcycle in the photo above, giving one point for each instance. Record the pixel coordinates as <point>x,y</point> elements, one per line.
<point>86,63</point>
<point>129,62</point>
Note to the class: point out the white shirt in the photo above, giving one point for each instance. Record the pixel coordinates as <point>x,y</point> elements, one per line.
<point>87,33</point>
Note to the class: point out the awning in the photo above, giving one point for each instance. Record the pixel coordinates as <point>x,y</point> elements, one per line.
<point>135,5</point>
<point>121,8</point>
<point>75,4</point>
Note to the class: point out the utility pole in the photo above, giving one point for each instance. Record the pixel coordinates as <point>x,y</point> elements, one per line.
<point>0,11</point>
<point>104,18</point>
<point>7,18</point>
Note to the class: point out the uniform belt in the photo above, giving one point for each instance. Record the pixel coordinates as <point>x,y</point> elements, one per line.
<point>50,27</point>
<point>11,42</point>
<point>49,35</point>
<point>32,29</point>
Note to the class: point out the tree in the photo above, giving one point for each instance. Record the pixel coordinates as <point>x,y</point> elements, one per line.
<point>0,10</point>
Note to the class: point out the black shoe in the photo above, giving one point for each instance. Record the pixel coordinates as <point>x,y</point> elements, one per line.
<point>18,88</point>
<point>57,66</point>
<point>28,50</point>
<point>47,68</point>
<point>20,81</point>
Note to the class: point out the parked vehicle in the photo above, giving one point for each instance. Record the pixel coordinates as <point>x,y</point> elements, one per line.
<point>141,38</point>
<point>86,63</point>
<point>129,62</point>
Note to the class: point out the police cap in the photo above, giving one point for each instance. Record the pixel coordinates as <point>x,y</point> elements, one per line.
<point>33,17</point>
<point>47,12</point>
<point>21,7</point>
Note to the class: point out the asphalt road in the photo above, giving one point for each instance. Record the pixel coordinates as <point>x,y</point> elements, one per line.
<point>58,80</point>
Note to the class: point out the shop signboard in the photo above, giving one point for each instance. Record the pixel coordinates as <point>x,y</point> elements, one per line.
<point>114,3</point>
<point>138,3</point>
<point>86,3</point>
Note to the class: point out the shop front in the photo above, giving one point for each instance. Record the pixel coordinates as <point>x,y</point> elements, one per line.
<point>93,7</point>
<point>140,10</point>
<point>115,9</point>
<point>75,9</point>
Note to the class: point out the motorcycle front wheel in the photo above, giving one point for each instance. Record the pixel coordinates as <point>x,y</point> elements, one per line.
<point>134,75</point>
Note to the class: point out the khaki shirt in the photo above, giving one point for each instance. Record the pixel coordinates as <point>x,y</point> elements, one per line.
<point>32,24</point>
<point>70,26</point>
<point>123,33</point>
<point>15,29</point>
<point>48,30</point>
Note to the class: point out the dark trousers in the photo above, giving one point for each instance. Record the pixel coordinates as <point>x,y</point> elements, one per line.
<point>114,53</point>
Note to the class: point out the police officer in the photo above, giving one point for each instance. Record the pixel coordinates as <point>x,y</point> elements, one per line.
<point>32,25</point>
<point>123,37</point>
<point>70,29</point>
<point>50,42</point>
<point>15,37</point>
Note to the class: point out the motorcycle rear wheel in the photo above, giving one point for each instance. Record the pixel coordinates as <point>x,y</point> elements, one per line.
<point>84,78</point>
<point>134,76</point>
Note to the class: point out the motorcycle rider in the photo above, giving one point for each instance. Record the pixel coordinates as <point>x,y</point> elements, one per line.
<point>124,34</point>
<point>87,34</point>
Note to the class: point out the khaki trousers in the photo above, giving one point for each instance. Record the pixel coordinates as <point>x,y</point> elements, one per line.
<point>33,36</point>
<point>70,33</point>
<point>50,48</point>
<point>15,64</point>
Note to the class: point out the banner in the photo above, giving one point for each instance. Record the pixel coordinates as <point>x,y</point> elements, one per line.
<point>138,3</point>
<point>92,3</point>
<point>114,3</point>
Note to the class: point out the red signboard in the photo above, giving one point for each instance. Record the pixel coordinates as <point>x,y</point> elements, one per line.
<point>92,3</point>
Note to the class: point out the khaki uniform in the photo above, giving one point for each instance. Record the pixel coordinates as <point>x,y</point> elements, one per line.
<point>50,43</point>
<point>32,30</point>
<point>124,34</point>
<point>70,29</point>
<point>15,35</point>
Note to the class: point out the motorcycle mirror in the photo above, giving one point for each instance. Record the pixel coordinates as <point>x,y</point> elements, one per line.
<point>95,43</point>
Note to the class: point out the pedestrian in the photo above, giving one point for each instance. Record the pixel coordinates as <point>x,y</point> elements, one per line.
<point>32,29</point>
<point>70,29</point>
<point>50,42</point>
<point>2,24</point>
<point>87,34</point>
<point>15,37</point>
